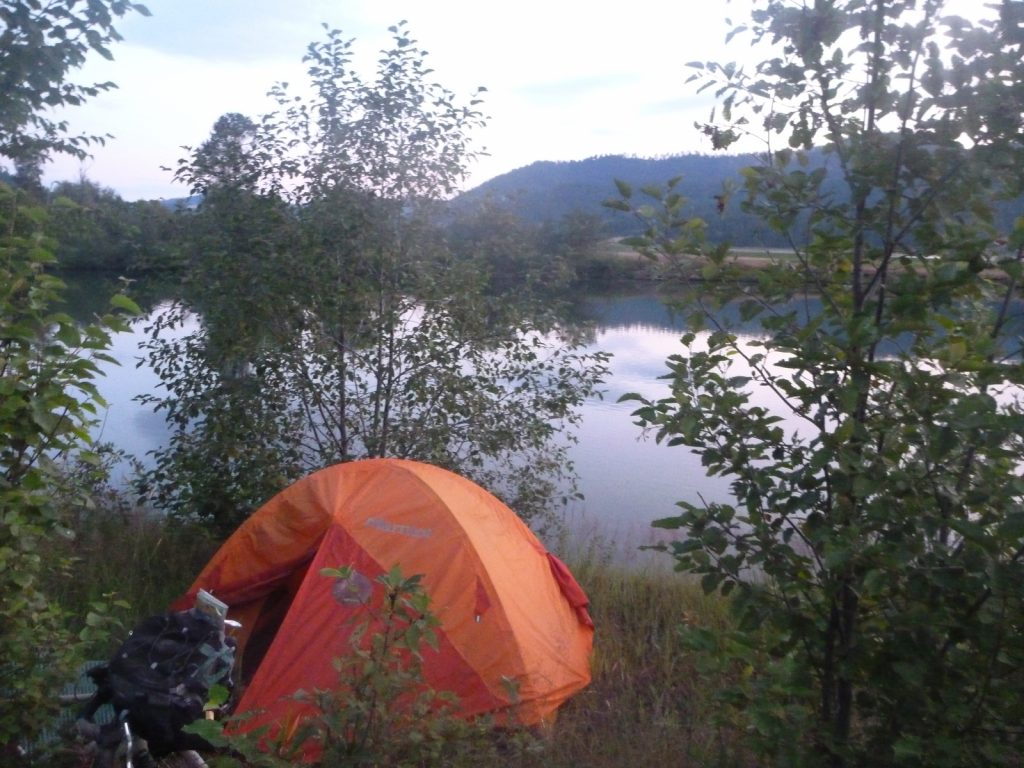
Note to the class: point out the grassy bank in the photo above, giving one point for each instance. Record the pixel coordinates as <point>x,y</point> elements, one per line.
<point>647,704</point>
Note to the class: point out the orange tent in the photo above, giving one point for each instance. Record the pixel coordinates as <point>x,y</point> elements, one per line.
<point>507,607</point>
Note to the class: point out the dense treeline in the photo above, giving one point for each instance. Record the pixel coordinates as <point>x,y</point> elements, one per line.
<point>96,230</point>
<point>540,226</point>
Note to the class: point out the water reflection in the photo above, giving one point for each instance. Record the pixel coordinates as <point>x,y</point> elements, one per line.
<point>131,427</point>
<point>627,479</point>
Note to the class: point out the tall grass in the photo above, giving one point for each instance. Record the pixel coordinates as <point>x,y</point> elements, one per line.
<point>647,705</point>
<point>134,563</point>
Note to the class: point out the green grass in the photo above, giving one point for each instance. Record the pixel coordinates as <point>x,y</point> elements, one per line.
<point>129,557</point>
<point>646,705</point>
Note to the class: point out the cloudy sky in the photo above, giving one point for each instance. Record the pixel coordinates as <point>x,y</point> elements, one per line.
<point>566,79</point>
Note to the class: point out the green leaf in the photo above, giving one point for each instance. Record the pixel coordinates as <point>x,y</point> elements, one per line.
<point>618,205</point>
<point>68,335</point>
<point>122,302</point>
<point>217,697</point>
<point>344,572</point>
<point>210,730</point>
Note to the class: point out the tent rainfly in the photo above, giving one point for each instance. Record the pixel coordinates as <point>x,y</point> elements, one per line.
<point>508,609</point>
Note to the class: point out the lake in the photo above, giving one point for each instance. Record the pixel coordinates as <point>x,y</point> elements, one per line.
<point>627,481</point>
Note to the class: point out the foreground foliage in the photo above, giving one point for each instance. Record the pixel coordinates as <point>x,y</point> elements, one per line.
<point>873,433</point>
<point>48,363</point>
<point>48,400</point>
<point>326,319</point>
<point>42,43</point>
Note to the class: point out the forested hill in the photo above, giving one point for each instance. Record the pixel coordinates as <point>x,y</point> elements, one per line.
<point>546,191</point>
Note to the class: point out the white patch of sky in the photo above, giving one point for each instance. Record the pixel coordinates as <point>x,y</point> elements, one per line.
<point>565,79</point>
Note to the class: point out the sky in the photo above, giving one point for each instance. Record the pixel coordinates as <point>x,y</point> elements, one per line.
<point>565,79</point>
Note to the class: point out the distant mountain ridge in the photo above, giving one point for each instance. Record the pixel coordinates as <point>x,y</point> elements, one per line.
<point>548,190</point>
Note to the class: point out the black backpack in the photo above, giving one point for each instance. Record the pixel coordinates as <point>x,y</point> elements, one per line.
<point>160,678</point>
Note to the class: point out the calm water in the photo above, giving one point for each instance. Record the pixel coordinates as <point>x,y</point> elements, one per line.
<point>627,480</point>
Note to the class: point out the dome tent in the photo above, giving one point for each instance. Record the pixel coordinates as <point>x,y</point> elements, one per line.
<point>508,609</point>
